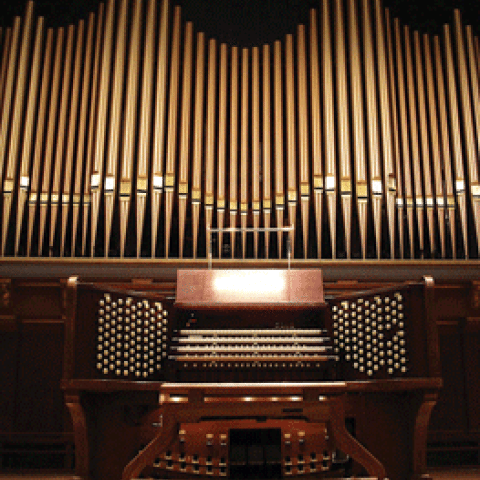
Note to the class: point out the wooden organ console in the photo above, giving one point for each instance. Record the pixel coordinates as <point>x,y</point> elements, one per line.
<point>250,374</point>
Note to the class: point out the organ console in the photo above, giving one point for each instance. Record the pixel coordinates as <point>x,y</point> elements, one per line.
<point>130,134</point>
<point>250,374</point>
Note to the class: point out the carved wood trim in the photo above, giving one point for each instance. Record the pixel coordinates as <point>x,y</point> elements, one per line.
<point>80,432</point>
<point>420,434</point>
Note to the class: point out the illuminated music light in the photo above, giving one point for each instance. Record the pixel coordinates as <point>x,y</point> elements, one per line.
<point>250,284</point>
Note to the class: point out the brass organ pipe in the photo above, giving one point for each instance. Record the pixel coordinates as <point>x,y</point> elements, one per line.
<point>291,135</point>
<point>413,124</point>
<point>343,130</point>
<point>159,121</point>
<point>405,140</point>
<point>5,113</point>
<point>386,123</point>
<point>400,200</point>
<point>87,99</point>
<point>101,122</point>
<point>435,142</point>
<point>3,67</point>
<point>145,133</point>
<point>455,135</point>
<point>198,138</point>
<point>233,203</point>
<point>244,147</point>
<point>185,133</point>
<point>222,142</point>
<point>278,132</point>
<point>130,124</point>
<point>466,109</point>
<point>446,144</point>
<point>255,89</point>
<point>52,123</point>
<point>172,127</point>
<point>266,156</point>
<point>115,126</point>
<point>69,158</point>
<point>474,79</point>
<point>372,125</point>
<point>329,124</point>
<point>28,134</point>
<point>316,128</point>
<point>16,113</point>
<point>424,143</point>
<point>303,134</point>
<point>210,133</point>
<point>40,137</point>
<point>60,140</point>
<point>477,53</point>
<point>358,123</point>
<point>92,128</point>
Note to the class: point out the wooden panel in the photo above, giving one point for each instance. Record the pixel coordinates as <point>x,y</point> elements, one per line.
<point>8,372</point>
<point>449,414</point>
<point>40,406</point>
<point>472,367</point>
<point>37,301</point>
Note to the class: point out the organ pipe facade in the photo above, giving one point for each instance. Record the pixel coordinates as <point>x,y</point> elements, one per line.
<point>131,134</point>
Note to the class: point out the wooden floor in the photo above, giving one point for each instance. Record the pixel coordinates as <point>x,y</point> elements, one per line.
<point>436,473</point>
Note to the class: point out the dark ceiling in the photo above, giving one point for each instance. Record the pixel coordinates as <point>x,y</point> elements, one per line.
<point>254,22</point>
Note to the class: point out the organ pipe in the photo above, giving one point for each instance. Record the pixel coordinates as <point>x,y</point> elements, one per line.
<point>185,134</point>
<point>255,145</point>
<point>445,143</point>
<point>303,135</point>
<point>343,125</point>
<point>81,165</point>
<point>467,120</point>
<point>278,151</point>
<point>127,116</point>
<point>405,139</point>
<point>244,151</point>
<point>40,138</point>
<point>399,190</point>
<point>358,124</point>
<point>424,144</point>
<point>460,186</point>
<point>92,127</point>
<point>373,141</point>
<point>316,132</point>
<point>267,144</point>
<point>170,171</point>
<point>439,202</point>
<point>129,125</point>
<point>233,202</point>
<point>13,143</point>
<point>101,123</point>
<point>210,133</point>
<point>385,125</point>
<point>329,125</point>
<point>69,158</point>
<point>222,142</point>
<point>159,124</point>
<point>44,190</point>
<point>27,147</point>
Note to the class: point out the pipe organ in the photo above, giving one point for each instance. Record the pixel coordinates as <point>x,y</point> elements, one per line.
<point>131,134</point>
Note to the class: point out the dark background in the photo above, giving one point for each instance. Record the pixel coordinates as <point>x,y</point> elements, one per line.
<point>253,22</point>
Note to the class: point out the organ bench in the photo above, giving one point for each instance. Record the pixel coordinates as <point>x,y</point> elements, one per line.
<point>250,374</point>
